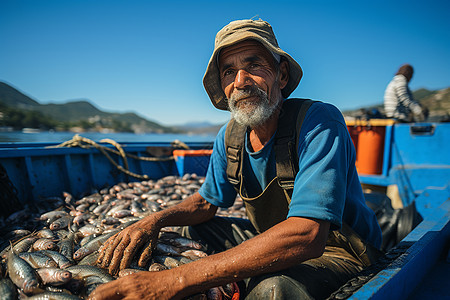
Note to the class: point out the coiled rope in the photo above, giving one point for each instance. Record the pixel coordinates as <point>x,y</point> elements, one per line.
<point>82,142</point>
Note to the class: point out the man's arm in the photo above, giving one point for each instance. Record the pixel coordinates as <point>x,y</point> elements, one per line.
<point>405,97</point>
<point>286,244</point>
<point>119,250</point>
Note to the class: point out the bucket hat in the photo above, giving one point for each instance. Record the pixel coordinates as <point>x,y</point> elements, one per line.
<point>238,31</point>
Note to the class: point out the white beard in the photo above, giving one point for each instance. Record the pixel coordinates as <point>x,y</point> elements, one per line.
<point>252,114</point>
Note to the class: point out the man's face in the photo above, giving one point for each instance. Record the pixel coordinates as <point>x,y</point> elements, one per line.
<point>251,81</point>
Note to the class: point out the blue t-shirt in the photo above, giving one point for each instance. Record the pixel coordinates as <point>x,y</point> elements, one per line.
<point>326,187</point>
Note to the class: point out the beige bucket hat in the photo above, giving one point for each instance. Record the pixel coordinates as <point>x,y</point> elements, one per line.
<point>238,31</point>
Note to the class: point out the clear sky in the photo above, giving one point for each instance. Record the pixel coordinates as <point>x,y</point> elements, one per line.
<point>149,57</point>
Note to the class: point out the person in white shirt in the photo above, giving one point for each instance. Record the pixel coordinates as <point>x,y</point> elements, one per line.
<point>398,100</point>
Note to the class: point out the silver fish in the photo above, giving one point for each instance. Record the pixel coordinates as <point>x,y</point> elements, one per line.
<point>54,276</point>
<point>52,215</point>
<point>84,271</point>
<point>53,296</point>
<point>38,259</point>
<point>46,233</point>
<point>44,244</point>
<point>167,261</point>
<point>21,245</point>
<point>129,271</point>
<point>21,273</point>
<point>89,229</point>
<point>180,241</point>
<point>90,260</point>
<point>25,244</point>
<point>82,218</point>
<point>90,284</point>
<point>62,261</point>
<point>122,213</point>
<point>92,246</point>
<point>194,254</point>
<point>167,249</point>
<point>60,223</point>
<point>66,245</point>
<point>155,267</point>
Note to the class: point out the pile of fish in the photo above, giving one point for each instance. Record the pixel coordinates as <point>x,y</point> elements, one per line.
<point>49,250</point>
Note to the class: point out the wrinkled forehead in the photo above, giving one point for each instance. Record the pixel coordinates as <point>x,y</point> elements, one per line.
<point>246,48</point>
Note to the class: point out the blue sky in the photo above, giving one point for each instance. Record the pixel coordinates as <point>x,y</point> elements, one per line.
<point>149,57</point>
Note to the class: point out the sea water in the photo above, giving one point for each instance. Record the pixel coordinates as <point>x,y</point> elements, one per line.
<point>60,137</point>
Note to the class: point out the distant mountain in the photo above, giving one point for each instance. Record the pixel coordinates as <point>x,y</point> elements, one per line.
<point>437,102</point>
<point>79,111</point>
<point>71,111</point>
<point>13,98</point>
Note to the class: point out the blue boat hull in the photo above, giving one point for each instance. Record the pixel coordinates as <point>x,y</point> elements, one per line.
<point>415,159</point>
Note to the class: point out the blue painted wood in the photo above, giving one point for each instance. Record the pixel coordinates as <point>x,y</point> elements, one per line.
<point>428,243</point>
<point>91,170</point>
<point>38,171</point>
<point>376,180</point>
<point>140,169</point>
<point>66,171</point>
<point>436,283</point>
<point>416,158</point>
<point>387,150</point>
<point>30,176</point>
<point>418,164</point>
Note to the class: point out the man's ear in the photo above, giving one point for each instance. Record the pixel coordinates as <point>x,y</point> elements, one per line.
<point>284,73</point>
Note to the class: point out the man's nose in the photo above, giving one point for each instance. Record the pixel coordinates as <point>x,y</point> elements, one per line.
<point>242,80</point>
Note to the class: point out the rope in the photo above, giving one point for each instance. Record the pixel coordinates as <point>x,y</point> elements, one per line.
<point>119,148</point>
<point>82,142</point>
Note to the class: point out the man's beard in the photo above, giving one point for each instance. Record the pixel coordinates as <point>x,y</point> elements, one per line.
<point>250,113</point>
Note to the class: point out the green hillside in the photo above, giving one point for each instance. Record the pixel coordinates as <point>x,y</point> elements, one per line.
<point>71,111</point>
<point>14,105</point>
<point>11,97</point>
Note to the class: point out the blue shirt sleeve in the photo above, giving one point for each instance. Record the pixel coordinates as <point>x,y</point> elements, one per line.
<point>327,185</point>
<point>320,185</point>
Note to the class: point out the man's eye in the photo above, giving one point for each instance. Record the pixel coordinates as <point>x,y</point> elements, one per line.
<point>254,66</point>
<point>228,73</point>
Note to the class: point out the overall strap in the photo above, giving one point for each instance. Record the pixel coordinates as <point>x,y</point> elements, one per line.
<point>234,144</point>
<point>286,140</point>
<point>285,146</point>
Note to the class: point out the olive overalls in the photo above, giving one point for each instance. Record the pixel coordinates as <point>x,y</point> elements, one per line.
<point>345,253</point>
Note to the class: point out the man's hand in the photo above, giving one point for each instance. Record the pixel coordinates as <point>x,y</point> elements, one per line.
<point>118,251</point>
<point>141,285</point>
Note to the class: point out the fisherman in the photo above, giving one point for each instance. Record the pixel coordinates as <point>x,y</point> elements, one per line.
<point>293,163</point>
<point>398,100</point>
